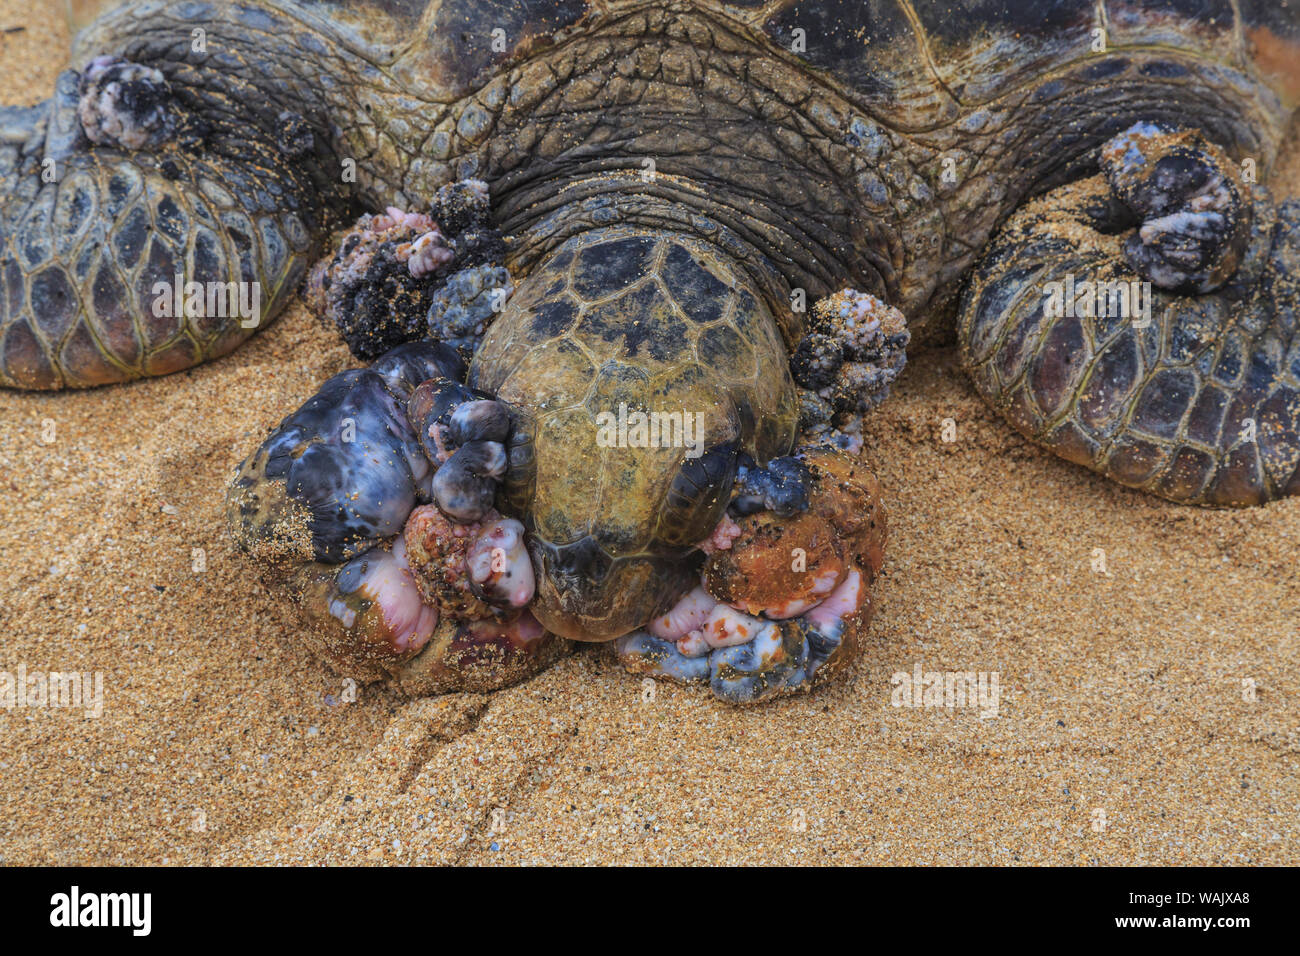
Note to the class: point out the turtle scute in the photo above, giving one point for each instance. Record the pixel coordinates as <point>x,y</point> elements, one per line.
<point>782,598</point>
<point>333,510</point>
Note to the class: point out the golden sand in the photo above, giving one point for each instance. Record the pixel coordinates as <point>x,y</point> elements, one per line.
<point>1125,733</point>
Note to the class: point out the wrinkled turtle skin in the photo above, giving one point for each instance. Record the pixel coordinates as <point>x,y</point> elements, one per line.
<point>677,180</point>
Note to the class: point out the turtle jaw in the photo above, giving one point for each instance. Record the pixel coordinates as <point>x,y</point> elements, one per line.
<point>585,596</point>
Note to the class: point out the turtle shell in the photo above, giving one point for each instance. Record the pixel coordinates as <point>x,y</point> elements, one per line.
<point>925,61</point>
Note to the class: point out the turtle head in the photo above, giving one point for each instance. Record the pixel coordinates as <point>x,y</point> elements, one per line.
<point>639,365</point>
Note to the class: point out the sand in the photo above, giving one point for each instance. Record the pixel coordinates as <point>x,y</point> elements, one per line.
<point>1124,734</point>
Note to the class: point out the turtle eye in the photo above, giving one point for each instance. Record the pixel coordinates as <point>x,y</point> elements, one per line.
<point>698,496</point>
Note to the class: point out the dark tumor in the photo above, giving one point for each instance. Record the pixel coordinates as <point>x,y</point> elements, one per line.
<point>780,487</point>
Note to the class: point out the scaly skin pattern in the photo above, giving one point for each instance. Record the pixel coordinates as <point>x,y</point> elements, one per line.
<point>678,180</point>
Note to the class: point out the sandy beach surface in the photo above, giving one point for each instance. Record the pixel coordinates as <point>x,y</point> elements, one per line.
<point>1146,716</point>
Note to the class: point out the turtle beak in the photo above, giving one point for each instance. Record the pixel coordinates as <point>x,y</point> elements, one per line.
<point>582,592</point>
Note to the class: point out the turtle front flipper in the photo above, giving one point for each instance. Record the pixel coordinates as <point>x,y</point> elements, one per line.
<point>158,211</point>
<point>1143,323</point>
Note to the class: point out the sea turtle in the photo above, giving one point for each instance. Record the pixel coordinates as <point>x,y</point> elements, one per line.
<point>678,180</point>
